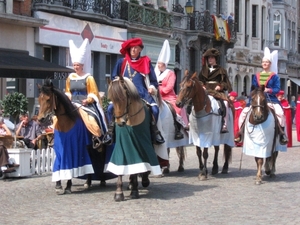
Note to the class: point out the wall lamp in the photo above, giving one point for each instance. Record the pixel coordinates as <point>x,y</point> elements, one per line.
<point>189,8</point>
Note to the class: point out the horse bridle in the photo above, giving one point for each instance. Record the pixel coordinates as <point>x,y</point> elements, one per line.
<point>128,103</point>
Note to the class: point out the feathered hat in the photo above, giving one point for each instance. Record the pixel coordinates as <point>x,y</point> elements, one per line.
<point>273,58</point>
<point>82,54</point>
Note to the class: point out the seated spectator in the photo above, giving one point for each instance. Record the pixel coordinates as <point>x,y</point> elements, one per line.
<point>3,128</point>
<point>29,130</point>
<point>6,165</point>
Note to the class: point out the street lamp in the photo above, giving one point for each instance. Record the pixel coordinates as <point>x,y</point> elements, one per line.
<point>277,37</point>
<point>189,8</point>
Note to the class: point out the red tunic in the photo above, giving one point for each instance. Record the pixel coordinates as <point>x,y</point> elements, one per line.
<point>298,118</point>
<point>238,109</point>
<point>288,115</point>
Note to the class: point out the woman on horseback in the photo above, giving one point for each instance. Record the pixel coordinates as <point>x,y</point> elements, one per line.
<point>166,79</point>
<point>82,89</point>
<point>270,79</point>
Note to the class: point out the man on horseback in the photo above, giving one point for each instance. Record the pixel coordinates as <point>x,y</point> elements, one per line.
<point>215,80</point>
<point>166,79</point>
<point>140,71</point>
<point>269,78</point>
<point>82,89</point>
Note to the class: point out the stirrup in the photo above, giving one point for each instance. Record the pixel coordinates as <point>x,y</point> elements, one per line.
<point>158,138</point>
<point>178,135</point>
<point>107,139</point>
<point>283,140</point>
<point>96,142</point>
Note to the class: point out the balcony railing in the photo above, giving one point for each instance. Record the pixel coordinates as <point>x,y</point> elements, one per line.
<point>115,9</point>
<point>200,21</point>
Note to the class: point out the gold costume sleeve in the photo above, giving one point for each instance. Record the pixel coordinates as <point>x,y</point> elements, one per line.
<point>92,89</point>
<point>67,91</point>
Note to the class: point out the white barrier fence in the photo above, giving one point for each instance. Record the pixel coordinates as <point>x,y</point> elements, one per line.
<point>41,160</point>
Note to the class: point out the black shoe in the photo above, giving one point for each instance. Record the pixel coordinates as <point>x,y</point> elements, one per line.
<point>159,138</point>
<point>107,139</point>
<point>224,129</point>
<point>178,135</point>
<point>283,139</point>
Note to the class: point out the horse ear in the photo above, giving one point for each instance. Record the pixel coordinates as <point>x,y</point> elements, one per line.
<point>263,87</point>
<point>186,73</point>
<point>252,87</point>
<point>194,75</point>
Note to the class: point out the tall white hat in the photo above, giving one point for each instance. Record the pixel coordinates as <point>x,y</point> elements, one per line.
<point>165,53</point>
<point>273,58</point>
<point>82,54</point>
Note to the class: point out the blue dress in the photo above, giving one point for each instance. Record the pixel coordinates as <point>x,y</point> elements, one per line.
<point>72,158</point>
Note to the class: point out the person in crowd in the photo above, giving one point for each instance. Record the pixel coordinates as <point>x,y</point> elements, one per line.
<point>215,80</point>
<point>297,117</point>
<point>166,79</point>
<point>230,18</point>
<point>288,116</point>
<point>140,70</point>
<point>29,130</point>
<point>238,108</point>
<point>3,128</point>
<point>82,90</point>
<point>293,107</point>
<point>270,79</point>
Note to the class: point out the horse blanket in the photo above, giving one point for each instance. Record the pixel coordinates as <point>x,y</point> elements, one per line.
<point>134,152</point>
<point>258,139</point>
<point>205,127</point>
<point>72,159</point>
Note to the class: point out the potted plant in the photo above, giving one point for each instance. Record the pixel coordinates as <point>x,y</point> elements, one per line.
<point>163,8</point>
<point>148,4</point>
<point>135,2</point>
<point>13,105</point>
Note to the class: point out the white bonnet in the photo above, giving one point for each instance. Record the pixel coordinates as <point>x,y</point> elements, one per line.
<point>273,58</point>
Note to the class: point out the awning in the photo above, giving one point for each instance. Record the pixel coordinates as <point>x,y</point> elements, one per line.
<point>19,64</point>
<point>295,80</point>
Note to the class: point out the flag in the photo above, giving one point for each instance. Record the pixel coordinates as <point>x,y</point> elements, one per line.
<point>221,29</point>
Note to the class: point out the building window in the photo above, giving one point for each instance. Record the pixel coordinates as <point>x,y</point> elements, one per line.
<point>237,14</point>
<point>254,20</point>
<point>276,26</point>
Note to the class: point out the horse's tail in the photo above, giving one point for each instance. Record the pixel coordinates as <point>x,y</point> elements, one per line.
<point>158,98</point>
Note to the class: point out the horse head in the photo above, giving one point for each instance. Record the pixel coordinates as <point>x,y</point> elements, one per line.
<point>47,103</point>
<point>186,92</point>
<point>260,109</point>
<point>124,95</point>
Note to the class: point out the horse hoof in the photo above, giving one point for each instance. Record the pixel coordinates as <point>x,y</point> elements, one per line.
<point>202,177</point>
<point>87,186</point>
<point>224,171</point>
<point>59,190</point>
<point>165,171</point>
<point>119,197</point>
<point>134,194</point>
<point>258,182</point>
<point>268,172</point>
<point>180,169</point>
<point>215,171</point>
<point>145,182</point>
<point>68,191</point>
<point>102,184</point>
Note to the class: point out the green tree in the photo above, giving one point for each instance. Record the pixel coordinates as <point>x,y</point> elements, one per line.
<point>14,105</point>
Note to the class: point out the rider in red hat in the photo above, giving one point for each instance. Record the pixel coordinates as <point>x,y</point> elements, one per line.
<point>141,72</point>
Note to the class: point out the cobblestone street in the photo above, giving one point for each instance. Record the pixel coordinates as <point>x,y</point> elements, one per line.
<point>177,198</point>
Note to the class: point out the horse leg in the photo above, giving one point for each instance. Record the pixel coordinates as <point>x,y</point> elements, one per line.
<point>119,195</point>
<point>259,163</point>
<point>130,182</point>
<point>88,182</point>
<point>145,179</point>
<point>227,157</point>
<point>199,154</point>
<point>58,188</point>
<point>273,163</point>
<point>215,168</point>
<point>68,187</point>
<point>167,169</point>
<point>134,194</point>
<point>203,171</point>
<point>181,156</point>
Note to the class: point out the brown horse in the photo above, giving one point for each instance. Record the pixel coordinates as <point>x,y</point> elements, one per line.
<point>260,134</point>
<point>133,152</point>
<point>202,114</point>
<point>75,156</point>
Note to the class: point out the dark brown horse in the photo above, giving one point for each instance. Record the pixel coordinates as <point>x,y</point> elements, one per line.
<point>260,122</point>
<point>192,91</point>
<point>133,153</point>
<point>75,156</point>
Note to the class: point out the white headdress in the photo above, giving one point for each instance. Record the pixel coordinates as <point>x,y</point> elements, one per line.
<point>273,58</point>
<point>164,56</point>
<point>82,54</point>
